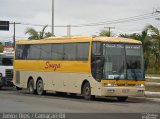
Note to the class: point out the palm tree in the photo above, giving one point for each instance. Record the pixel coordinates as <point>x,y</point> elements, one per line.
<point>155,40</point>
<point>37,35</point>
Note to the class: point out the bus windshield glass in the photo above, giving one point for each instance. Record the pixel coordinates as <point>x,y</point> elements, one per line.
<point>134,57</point>
<point>123,61</point>
<point>6,60</point>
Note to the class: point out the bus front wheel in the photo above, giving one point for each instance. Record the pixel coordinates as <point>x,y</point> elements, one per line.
<point>40,87</point>
<point>87,91</point>
<point>122,99</point>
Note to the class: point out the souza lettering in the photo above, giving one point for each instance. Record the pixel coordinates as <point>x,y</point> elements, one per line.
<point>52,66</point>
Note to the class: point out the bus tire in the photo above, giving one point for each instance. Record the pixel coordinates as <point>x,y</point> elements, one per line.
<point>31,87</point>
<point>18,88</point>
<point>40,87</point>
<point>122,99</point>
<point>87,91</point>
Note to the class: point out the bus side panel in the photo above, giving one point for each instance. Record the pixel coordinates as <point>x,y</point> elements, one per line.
<point>58,81</point>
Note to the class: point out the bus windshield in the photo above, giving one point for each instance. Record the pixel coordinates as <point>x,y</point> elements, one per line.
<point>123,61</point>
<point>6,60</point>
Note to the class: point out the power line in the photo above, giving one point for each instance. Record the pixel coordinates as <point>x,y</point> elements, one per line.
<point>118,21</point>
<point>123,20</point>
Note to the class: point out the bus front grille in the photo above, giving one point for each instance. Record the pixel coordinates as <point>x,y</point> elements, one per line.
<point>9,74</point>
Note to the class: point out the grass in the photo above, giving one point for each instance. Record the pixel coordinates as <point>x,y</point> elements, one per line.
<point>152,88</point>
<point>153,80</point>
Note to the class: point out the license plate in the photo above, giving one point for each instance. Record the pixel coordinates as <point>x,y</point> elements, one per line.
<point>125,90</point>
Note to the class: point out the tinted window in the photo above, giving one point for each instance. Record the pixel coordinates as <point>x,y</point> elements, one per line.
<point>22,51</point>
<point>46,50</point>
<point>70,51</point>
<point>82,51</point>
<point>96,48</point>
<point>34,52</point>
<point>19,52</point>
<point>57,52</point>
<point>67,51</point>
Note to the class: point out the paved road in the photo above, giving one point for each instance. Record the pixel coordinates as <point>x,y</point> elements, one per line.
<point>20,101</point>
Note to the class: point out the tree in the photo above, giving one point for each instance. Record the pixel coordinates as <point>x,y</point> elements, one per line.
<point>37,35</point>
<point>154,34</point>
<point>1,48</point>
<point>150,38</point>
<point>106,33</point>
<point>135,36</point>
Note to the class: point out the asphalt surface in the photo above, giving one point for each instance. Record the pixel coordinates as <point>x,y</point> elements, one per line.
<point>12,101</point>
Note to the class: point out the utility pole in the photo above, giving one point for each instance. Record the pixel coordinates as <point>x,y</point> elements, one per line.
<point>68,30</point>
<point>109,29</point>
<point>14,33</point>
<point>52,18</point>
<point>157,11</point>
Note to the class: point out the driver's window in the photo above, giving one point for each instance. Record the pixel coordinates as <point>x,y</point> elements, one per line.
<point>96,62</point>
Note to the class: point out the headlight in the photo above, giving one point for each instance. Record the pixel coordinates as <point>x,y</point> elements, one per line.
<point>110,85</point>
<point>140,85</point>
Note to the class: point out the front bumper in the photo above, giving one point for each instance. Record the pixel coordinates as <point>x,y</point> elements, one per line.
<point>123,91</point>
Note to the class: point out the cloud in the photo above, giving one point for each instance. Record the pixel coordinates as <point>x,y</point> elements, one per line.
<point>75,12</point>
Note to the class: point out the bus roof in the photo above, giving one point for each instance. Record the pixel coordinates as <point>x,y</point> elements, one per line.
<point>79,39</point>
<point>116,40</point>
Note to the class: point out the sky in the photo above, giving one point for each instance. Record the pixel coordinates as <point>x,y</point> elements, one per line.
<point>78,13</point>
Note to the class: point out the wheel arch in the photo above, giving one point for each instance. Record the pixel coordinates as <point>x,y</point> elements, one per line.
<point>30,78</point>
<point>85,81</point>
<point>39,78</point>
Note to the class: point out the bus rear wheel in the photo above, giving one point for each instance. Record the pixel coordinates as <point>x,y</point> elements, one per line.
<point>40,87</point>
<point>31,87</point>
<point>122,99</point>
<point>87,91</point>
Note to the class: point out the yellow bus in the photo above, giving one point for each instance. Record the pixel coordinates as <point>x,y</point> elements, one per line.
<point>91,66</point>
